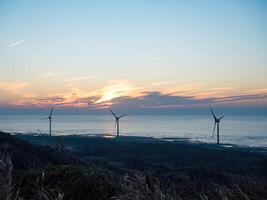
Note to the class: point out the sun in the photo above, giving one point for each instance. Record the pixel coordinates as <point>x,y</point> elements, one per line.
<point>114,91</point>
<point>107,96</point>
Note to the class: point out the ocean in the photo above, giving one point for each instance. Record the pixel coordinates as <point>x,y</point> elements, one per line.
<point>234,129</point>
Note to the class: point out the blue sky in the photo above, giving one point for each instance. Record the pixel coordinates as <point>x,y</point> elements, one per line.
<point>105,50</point>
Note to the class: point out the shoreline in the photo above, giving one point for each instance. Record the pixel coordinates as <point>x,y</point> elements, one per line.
<point>156,140</point>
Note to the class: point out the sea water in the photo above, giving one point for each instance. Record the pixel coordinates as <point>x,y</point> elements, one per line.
<point>239,130</point>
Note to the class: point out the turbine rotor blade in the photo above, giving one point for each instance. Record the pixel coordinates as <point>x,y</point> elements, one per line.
<point>221,117</point>
<point>214,129</point>
<point>213,113</point>
<point>112,113</point>
<point>122,116</point>
<point>52,110</point>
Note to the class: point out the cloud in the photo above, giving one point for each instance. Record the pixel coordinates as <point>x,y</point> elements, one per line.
<point>117,89</point>
<point>158,100</point>
<point>162,83</point>
<point>240,98</point>
<point>51,99</point>
<point>12,86</point>
<point>80,78</point>
<point>121,94</point>
<point>11,91</point>
<point>152,100</point>
<point>62,102</point>
<point>14,44</point>
<point>155,100</point>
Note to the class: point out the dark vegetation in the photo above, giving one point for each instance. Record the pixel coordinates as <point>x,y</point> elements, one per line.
<point>80,168</point>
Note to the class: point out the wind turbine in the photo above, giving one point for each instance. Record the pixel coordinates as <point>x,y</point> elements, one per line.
<point>50,120</point>
<point>216,123</point>
<point>117,122</point>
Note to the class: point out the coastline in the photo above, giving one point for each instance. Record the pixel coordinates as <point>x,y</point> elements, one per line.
<point>147,139</point>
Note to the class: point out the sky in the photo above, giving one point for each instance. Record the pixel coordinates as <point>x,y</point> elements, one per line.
<point>140,55</point>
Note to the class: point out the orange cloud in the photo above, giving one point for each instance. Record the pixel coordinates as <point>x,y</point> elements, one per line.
<point>61,94</point>
<point>12,86</point>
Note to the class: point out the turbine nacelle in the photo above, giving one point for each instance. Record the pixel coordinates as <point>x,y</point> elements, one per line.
<point>219,120</point>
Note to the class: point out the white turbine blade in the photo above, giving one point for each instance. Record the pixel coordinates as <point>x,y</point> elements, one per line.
<point>112,113</point>
<point>51,112</point>
<point>214,129</point>
<point>122,116</point>
<point>45,118</point>
<point>213,113</point>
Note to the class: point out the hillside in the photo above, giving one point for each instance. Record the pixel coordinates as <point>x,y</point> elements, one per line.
<point>133,168</point>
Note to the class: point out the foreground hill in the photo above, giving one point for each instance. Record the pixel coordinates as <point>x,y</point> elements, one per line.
<point>134,168</point>
<point>158,156</point>
<point>27,156</point>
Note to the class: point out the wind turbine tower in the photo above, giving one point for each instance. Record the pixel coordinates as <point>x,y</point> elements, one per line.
<point>50,121</point>
<point>216,123</point>
<point>117,122</point>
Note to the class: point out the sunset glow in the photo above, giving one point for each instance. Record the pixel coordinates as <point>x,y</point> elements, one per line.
<point>170,49</point>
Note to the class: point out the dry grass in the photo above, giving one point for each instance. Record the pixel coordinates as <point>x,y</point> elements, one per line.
<point>7,189</point>
<point>141,187</point>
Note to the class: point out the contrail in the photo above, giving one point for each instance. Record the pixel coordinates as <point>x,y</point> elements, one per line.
<point>16,43</point>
